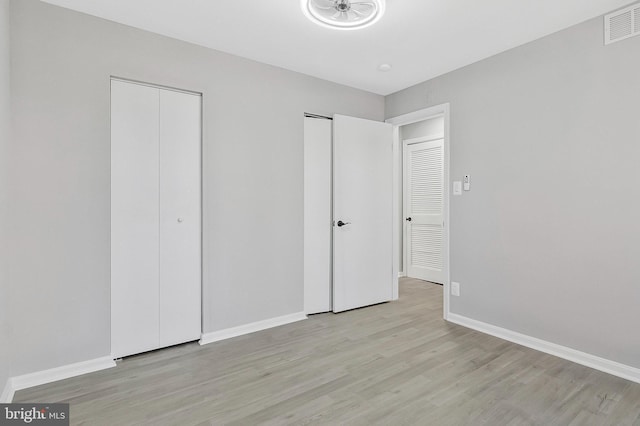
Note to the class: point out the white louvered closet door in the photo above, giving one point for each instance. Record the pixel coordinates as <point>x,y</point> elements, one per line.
<point>424,210</point>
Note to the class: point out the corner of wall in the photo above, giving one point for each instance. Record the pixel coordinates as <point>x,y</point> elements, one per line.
<point>5,119</point>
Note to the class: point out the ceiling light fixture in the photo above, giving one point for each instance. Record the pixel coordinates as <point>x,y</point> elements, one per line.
<point>343,14</point>
<point>385,67</point>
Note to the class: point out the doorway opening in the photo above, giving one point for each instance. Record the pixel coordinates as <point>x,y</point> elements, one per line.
<point>421,197</point>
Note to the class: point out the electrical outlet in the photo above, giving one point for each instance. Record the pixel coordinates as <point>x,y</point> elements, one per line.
<point>455,289</point>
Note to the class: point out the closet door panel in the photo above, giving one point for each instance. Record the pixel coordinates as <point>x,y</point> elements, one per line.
<point>134,218</point>
<point>180,222</point>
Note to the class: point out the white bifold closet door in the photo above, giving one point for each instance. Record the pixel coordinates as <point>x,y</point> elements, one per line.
<point>155,218</point>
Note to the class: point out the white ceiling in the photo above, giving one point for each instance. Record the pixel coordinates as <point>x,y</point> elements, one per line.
<point>420,38</point>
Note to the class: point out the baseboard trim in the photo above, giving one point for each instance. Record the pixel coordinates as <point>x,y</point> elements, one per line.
<point>228,333</point>
<point>588,360</point>
<point>60,373</point>
<point>7,393</point>
<point>401,275</point>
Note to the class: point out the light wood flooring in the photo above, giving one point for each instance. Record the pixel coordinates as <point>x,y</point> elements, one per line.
<point>397,363</point>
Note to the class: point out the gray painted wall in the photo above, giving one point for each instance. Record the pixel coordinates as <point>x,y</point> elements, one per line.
<point>5,119</point>
<point>253,159</point>
<point>547,241</point>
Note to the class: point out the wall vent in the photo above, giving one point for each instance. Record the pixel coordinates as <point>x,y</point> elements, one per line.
<point>622,24</point>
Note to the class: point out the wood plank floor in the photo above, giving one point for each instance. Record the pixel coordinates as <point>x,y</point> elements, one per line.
<point>392,364</point>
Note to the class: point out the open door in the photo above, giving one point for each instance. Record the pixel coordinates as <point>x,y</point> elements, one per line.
<point>362,213</point>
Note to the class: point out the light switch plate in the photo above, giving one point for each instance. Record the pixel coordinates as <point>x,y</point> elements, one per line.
<point>457,187</point>
<point>455,288</point>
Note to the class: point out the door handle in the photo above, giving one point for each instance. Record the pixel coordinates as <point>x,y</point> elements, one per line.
<point>408,219</point>
<point>341,223</point>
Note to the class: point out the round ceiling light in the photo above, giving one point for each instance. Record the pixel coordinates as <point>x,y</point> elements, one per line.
<point>343,14</point>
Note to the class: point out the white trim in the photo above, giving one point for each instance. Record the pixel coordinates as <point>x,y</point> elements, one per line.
<point>7,393</point>
<point>401,274</point>
<point>447,191</point>
<point>583,358</point>
<point>60,373</point>
<point>402,120</point>
<point>395,217</point>
<point>241,330</point>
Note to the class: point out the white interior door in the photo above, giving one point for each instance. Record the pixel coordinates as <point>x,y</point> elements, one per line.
<point>362,232</point>
<point>134,218</point>
<point>180,236</point>
<point>155,218</point>
<point>317,215</point>
<point>424,209</point>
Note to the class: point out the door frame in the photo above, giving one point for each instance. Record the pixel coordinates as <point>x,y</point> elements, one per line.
<point>398,121</point>
<point>405,209</point>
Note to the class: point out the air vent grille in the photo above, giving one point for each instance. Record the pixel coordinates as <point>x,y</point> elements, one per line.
<point>622,24</point>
